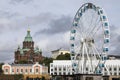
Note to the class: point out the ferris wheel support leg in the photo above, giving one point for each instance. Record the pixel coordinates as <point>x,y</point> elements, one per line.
<point>89,60</point>
<point>83,59</point>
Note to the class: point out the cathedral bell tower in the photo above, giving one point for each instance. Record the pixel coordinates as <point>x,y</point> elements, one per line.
<point>28,43</point>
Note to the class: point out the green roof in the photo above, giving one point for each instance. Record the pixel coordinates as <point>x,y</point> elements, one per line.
<point>37,50</point>
<point>26,49</point>
<point>21,51</point>
<point>28,37</point>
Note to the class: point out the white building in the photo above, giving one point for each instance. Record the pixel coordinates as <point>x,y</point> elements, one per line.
<point>57,52</point>
<point>64,67</point>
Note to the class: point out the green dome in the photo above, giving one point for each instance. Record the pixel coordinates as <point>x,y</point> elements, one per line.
<point>28,37</point>
<point>37,50</point>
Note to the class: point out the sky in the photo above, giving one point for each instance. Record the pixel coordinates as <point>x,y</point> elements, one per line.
<point>50,22</point>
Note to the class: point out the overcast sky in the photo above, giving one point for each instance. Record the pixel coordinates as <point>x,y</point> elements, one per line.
<point>50,22</point>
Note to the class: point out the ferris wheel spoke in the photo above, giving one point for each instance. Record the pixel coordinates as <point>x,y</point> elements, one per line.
<point>90,23</point>
<point>79,31</point>
<point>82,23</point>
<point>97,51</point>
<point>94,26</point>
<point>95,29</point>
<point>95,32</point>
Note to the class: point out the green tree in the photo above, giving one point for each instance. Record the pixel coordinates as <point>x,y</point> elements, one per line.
<point>43,78</point>
<point>18,77</point>
<point>1,71</point>
<point>46,61</point>
<point>23,62</point>
<point>63,57</point>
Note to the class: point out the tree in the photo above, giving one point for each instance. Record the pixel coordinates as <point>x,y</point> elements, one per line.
<point>63,57</point>
<point>43,78</point>
<point>18,77</point>
<point>1,71</point>
<point>23,62</point>
<point>46,61</point>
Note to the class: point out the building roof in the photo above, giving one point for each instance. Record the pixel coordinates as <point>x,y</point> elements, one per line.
<point>28,37</point>
<point>60,49</point>
<point>37,50</point>
<point>21,64</point>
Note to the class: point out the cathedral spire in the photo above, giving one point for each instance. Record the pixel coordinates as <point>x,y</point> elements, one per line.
<point>28,37</point>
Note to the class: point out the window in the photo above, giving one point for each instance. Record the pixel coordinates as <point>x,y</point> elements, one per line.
<point>30,70</point>
<point>51,73</point>
<point>115,73</point>
<point>36,70</point>
<point>6,70</point>
<point>64,69</point>
<point>64,73</point>
<point>55,69</point>
<point>110,69</point>
<point>51,69</point>
<point>86,69</point>
<point>55,73</point>
<point>21,70</point>
<point>115,69</point>
<point>59,73</point>
<point>59,69</point>
<point>105,73</point>
<point>26,70</point>
<point>105,69</point>
<point>12,70</point>
<point>17,70</point>
<point>68,73</point>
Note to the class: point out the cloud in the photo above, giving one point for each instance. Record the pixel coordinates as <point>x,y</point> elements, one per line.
<point>53,42</point>
<point>15,21</point>
<point>7,52</point>
<point>114,40</point>
<point>20,1</point>
<point>56,26</point>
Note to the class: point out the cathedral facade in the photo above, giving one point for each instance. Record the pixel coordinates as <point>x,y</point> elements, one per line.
<point>28,53</point>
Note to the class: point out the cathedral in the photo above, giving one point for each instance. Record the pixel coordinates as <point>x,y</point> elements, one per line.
<point>28,53</point>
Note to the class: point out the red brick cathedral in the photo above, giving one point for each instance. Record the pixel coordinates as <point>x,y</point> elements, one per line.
<point>28,54</point>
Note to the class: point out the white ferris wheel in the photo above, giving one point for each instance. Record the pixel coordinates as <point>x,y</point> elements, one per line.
<point>89,40</point>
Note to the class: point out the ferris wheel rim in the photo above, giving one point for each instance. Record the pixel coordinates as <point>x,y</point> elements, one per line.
<point>105,26</point>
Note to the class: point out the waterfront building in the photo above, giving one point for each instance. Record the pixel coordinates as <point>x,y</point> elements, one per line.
<point>28,53</point>
<point>64,67</point>
<point>58,52</point>
<point>27,70</point>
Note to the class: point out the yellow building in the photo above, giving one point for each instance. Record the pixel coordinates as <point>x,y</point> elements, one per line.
<point>57,52</point>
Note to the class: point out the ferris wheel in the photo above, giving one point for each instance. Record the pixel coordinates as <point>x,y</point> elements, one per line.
<point>89,40</point>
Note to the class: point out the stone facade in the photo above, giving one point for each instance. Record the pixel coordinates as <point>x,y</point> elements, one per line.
<point>28,53</point>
